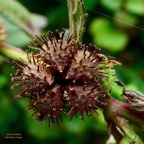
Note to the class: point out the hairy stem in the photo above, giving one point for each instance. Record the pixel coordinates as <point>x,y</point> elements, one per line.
<point>130,136</point>
<point>112,130</point>
<point>77,18</point>
<point>117,108</point>
<point>118,112</point>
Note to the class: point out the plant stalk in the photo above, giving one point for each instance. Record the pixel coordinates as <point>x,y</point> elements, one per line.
<point>77,18</point>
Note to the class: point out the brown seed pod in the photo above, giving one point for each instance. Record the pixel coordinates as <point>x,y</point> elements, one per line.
<point>51,105</point>
<point>54,50</point>
<point>84,98</point>
<point>33,76</point>
<point>86,65</point>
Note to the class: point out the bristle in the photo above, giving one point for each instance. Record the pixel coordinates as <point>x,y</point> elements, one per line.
<point>16,85</point>
<point>45,40</point>
<point>70,38</point>
<point>22,92</point>
<point>50,35</point>
<point>57,35</point>
<point>16,78</point>
<point>19,63</point>
<point>62,35</point>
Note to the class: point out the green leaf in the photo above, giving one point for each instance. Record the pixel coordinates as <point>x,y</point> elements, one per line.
<point>135,7</point>
<point>18,38</point>
<point>111,4</point>
<point>15,36</point>
<point>107,36</point>
<point>38,22</point>
<point>2,33</point>
<point>17,14</point>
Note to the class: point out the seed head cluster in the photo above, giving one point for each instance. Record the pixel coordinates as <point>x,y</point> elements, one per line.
<point>62,77</point>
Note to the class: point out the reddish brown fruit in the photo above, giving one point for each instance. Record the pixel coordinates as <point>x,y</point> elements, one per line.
<point>51,105</point>
<point>84,98</point>
<point>56,51</point>
<point>86,65</point>
<point>33,76</point>
<point>61,66</point>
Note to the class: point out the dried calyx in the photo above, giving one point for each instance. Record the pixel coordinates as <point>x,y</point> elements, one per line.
<point>63,77</point>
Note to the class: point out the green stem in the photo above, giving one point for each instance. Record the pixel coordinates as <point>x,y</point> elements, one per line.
<point>130,136</point>
<point>12,52</point>
<point>77,18</point>
<point>117,108</point>
<point>117,112</point>
<point>113,130</point>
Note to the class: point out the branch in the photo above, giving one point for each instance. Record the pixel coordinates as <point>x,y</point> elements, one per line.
<point>77,18</point>
<point>118,112</point>
<point>12,52</point>
<point>130,135</point>
<point>117,108</point>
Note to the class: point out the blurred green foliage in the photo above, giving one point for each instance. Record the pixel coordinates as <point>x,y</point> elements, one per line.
<point>116,26</point>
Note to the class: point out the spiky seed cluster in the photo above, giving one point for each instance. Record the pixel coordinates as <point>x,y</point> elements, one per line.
<point>84,98</point>
<point>51,105</point>
<point>63,74</point>
<point>85,65</point>
<point>33,76</point>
